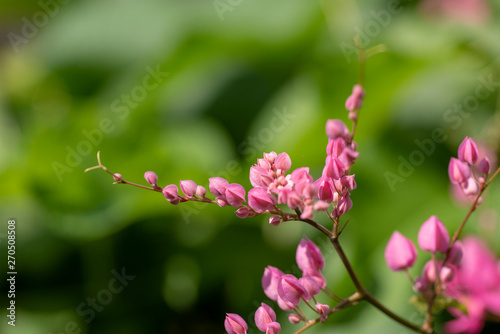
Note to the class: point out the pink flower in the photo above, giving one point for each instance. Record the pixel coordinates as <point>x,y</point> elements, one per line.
<point>456,254</point>
<point>294,318</point>
<point>310,285</point>
<point>458,171</point>
<point>235,324</point>
<point>355,100</point>
<point>117,177</point>
<point>283,162</point>
<point>484,166</point>
<point>301,175</point>
<point>218,186</point>
<point>476,285</point>
<point>270,282</point>
<point>243,212</point>
<point>265,319</point>
<point>235,194</point>
<point>334,167</point>
<point>467,151</point>
<point>400,252</point>
<point>323,311</point>
<point>151,178</point>
<point>171,192</point>
<point>309,257</point>
<point>275,220</point>
<point>260,200</point>
<point>201,191</point>
<point>188,187</point>
<point>433,236</point>
<point>290,292</point>
<point>325,189</point>
<point>259,177</point>
<point>335,128</point>
<point>335,146</point>
<point>348,182</point>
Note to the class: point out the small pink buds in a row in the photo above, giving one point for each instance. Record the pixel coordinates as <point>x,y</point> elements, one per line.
<point>400,252</point>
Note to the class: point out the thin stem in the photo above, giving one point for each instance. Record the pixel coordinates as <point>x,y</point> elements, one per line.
<point>471,210</point>
<point>372,300</point>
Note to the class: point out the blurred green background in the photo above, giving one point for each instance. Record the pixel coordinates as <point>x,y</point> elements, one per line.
<point>233,79</point>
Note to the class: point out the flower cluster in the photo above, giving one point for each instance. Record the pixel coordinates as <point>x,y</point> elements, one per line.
<point>271,185</point>
<point>476,286</point>
<point>466,272</point>
<point>288,291</point>
<point>468,172</point>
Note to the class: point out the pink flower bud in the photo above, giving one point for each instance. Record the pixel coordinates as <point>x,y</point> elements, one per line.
<point>470,187</point>
<point>310,285</point>
<point>467,151</point>
<point>335,128</point>
<point>217,186</point>
<point>348,182</point>
<point>309,257</point>
<point>307,213</point>
<point>273,328</point>
<point>421,285</point>
<point>270,282</point>
<point>400,253</point>
<point>293,200</point>
<point>201,191</point>
<point>290,292</point>
<point>335,147</point>
<point>446,274</point>
<point>334,167</point>
<point>242,212</point>
<point>484,166</point>
<point>270,156</point>
<point>264,164</point>
<point>348,157</point>
<point>294,318</point>
<point>235,324</point>
<point>264,316</point>
<point>260,200</point>
<point>316,275</point>
<point>235,194</point>
<point>456,254</point>
<point>458,171</point>
<point>283,162</point>
<point>301,175</point>
<point>429,271</point>
<point>188,187</point>
<point>355,100</point>
<point>117,177</point>
<point>275,220</point>
<point>259,177</point>
<point>321,206</point>
<point>323,311</point>
<point>171,192</point>
<point>344,204</point>
<point>433,236</point>
<point>325,189</point>
<point>221,202</point>
<point>151,178</point>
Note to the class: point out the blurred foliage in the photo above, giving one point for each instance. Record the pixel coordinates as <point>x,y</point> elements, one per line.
<point>262,76</point>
